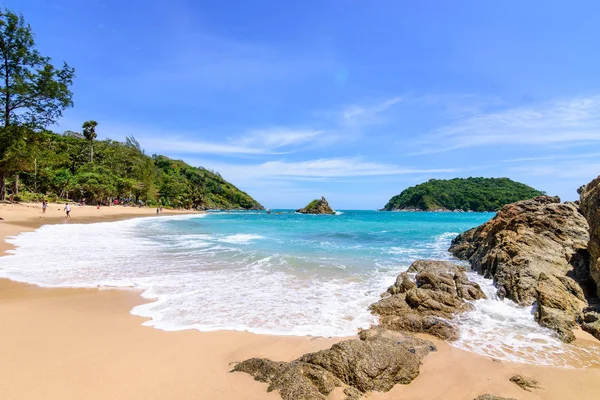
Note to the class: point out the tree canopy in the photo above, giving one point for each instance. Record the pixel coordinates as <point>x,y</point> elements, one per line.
<point>467,194</point>
<point>121,171</point>
<point>33,92</point>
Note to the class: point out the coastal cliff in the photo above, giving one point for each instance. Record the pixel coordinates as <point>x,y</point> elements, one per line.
<point>461,194</point>
<point>317,207</point>
<point>590,207</point>
<point>537,252</point>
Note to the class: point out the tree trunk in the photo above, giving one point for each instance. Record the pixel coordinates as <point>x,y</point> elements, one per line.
<point>2,187</point>
<point>16,184</point>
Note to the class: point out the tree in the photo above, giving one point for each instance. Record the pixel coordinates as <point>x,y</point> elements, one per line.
<point>89,132</point>
<point>33,93</point>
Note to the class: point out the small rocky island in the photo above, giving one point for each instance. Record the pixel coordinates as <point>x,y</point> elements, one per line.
<point>461,194</point>
<point>538,251</point>
<point>317,207</point>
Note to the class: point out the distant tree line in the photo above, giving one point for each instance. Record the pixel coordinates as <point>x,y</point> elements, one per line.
<point>467,194</point>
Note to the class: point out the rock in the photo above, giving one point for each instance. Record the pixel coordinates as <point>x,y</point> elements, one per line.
<point>492,397</point>
<point>378,360</point>
<point>590,207</point>
<point>536,251</point>
<point>523,240</point>
<point>317,207</point>
<point>560,302</point>
<point>426,302</point>
<point>525,383</point>
<point>591,324</point>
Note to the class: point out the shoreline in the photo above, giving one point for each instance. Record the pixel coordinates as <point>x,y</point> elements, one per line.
<point>84,343</point>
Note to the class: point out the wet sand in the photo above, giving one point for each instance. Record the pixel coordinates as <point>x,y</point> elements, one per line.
<point>84,344</point>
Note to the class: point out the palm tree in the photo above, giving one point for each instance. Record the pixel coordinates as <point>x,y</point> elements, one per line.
<point>89,132</point>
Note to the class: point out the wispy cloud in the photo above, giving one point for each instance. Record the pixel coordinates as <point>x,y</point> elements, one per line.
<point>278,138</point>
<point>578,171</point>
<point>360,115</point>
<point>551,157</point>
<point>318,169</point>
<point>560,122</point>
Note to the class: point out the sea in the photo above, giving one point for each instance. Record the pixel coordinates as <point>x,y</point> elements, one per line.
<point>279,273</point>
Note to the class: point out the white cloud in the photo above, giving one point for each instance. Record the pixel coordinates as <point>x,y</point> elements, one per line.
<point>579,172</point>
<point>312,170</point>
<point>560,122</point>
<point>359,115</point>
<point>277,138</point>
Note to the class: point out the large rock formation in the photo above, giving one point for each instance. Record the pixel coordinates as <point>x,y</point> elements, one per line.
<point>317,207</point>
<point>523,240</point>
<point>426,297</point>
<point>377,361</point>
<point>536,251</point>
<point>590,207</point>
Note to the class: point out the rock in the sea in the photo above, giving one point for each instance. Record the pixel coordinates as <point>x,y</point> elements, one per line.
<point>317,207</point>
<point>590,207</point>
<point>492,397</point>
<point>523,240</point>
<point>426,297</point>
<point>525,383</point>
<point>378,360</point>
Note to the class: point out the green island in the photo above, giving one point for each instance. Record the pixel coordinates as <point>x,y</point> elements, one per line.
<point>466,194</point>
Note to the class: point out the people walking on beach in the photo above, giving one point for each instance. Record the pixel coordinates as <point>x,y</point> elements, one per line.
<point>68,209</point>
<point>44,205</point>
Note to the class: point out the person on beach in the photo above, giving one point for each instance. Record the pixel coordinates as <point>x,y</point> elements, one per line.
<point>44,205</point>
<point>67,209</point>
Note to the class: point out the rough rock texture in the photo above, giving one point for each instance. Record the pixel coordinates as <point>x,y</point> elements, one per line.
<point>591,323</point>
<point>317,207</point>
<point>378,360</point>
<point>536,251</point>
<point>522,240</point>
<point>524,382</point>
<point>426,302</point>
<point>492,397</point>
<point>590,207</point>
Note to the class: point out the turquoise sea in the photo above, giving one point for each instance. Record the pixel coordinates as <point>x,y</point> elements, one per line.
<point>280,273</point>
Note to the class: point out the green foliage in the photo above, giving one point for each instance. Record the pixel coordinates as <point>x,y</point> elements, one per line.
<point>59,167</point>
<point>470,194</point>
<point>33,93</point>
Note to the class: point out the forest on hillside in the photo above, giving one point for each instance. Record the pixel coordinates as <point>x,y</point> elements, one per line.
<point>467,194</point>
<point>61,166</point>
<point>37,164</point>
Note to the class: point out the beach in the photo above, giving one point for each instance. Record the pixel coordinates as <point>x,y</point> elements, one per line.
<point>58,343</point>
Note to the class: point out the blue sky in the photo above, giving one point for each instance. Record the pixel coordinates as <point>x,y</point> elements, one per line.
<point>354,100</point>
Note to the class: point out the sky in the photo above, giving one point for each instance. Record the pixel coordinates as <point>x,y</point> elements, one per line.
<point>348,99</point>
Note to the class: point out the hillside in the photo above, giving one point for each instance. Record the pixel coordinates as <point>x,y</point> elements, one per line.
<point>467,194</point>
<point>60,166</point>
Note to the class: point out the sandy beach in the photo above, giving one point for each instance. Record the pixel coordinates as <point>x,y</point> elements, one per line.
<point>84,344</point>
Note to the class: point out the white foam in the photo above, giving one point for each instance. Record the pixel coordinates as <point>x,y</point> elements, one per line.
<point>197,283</point>
<point>504,330</point>
<point>210,281</point>
<point>240,238</point>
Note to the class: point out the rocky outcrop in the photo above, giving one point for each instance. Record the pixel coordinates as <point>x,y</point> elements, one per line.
<point>536,251</point>
<point>525,383</point>
<point>426,297</point>
<point>492,397</point>
<point>317,207</point>
<point>590,207</point>
<point>376,361</point>
<point>523,240</point>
